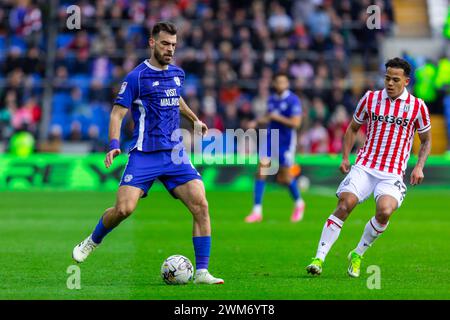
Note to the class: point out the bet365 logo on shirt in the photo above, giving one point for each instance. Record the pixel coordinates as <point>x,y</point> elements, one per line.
<point>390,119</point>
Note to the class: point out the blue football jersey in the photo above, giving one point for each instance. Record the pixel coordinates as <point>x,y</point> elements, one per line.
<point>153,95</point>
<point>287,104</point>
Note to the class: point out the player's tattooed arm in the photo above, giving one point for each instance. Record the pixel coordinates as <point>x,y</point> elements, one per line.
<point>349,141</point>
<point>190,115</point>
<point>115,122</point>
<point>424,150</point>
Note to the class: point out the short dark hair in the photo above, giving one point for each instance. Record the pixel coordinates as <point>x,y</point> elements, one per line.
<point>165,26</point>
<point>280,74</point>
<point>400,64</point>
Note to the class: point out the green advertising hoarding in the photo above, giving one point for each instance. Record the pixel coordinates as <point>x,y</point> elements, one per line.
<point>78,173</point>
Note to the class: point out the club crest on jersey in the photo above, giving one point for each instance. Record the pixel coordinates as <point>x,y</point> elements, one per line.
<point>123,87</point>
<point>128,178</point>
<point>177,81</point>
<point>406,108</point>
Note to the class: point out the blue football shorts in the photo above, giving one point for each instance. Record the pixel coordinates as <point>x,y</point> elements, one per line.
<point>143,168</point>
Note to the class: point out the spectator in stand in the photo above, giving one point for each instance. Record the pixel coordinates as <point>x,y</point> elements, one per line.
<point>228,49</point>
<point>209,113</point>
<point>27,116</point>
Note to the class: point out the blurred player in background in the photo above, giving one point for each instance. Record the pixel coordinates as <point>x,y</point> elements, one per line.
<point>152,92</point>
<point>284,114</point>
<point>393,115</point>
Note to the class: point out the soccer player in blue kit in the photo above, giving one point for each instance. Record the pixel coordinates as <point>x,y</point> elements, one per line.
<point>152,92</point>
<point>284,114</point>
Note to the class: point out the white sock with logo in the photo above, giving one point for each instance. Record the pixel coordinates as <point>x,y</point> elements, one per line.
<point>372,231</point>
<point>330,233</point>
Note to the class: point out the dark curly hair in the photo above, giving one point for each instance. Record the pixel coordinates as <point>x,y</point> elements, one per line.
<point>400,64</point>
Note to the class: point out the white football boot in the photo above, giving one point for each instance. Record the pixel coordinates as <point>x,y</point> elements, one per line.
<point>203,276</point>
<point>84,249</point>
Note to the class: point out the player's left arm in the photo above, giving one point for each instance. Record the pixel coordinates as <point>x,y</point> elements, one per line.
<point>424,150</point>
<point>293,122</point>
<point>190,115</point>
<point>294,117</point>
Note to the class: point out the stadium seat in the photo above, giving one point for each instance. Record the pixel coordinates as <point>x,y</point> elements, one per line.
<point>83,82</point>
<point>16,41</point>
<point>59,104</point>
<point>63,39</point>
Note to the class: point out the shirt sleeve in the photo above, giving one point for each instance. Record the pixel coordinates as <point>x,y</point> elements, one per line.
<point>423,122</point>
<point>270,107</point>
<point>360,115</point>
<point>296,107</point>
<point>129,91</point>
<point>182,78</point>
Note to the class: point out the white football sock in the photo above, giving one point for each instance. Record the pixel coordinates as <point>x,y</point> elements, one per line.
<point>330,233</point>
<point>299,203</point>
<point>372,231</point>
<point>257,208</point>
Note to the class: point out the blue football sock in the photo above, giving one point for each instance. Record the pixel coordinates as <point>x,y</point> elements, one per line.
<point>202,249</point>
<point>259,191</point>
<point>100,232</point>
<point>293,189</point>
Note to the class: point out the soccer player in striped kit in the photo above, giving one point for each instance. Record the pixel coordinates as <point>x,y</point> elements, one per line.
<point>393,115</point>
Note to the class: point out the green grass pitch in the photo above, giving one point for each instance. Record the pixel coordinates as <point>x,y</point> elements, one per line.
<point>260,261</point>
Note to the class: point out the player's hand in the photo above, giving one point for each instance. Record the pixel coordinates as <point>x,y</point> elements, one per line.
<point>263,120</point>
<point>345,166</point>
<point>200,128</point>
<point>110,157</point>
<point>416,176</point>
<point>252,124</point>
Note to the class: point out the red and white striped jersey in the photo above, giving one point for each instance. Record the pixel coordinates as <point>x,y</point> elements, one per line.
<point>391,126</point>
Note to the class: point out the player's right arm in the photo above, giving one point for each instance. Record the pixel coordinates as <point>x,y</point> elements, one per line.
<point>115,123</point>
<point>129,92</point>
<point>359,117</point>
<point>349,141</point>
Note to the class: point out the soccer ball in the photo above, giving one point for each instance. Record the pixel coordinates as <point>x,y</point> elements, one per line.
<point>303,183</point>
<point>177,269</point>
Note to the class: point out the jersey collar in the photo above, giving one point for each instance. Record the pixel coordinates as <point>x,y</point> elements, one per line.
<point>147,63</point>
<point>403,96</point>
<point>283,95</point>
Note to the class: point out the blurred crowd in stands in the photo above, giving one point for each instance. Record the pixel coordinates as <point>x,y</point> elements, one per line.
<point>229,50</point>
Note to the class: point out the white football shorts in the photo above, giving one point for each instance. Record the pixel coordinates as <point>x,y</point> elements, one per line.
<point>362,182</point>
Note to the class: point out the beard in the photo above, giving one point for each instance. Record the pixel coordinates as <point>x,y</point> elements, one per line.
<point>162,60</point>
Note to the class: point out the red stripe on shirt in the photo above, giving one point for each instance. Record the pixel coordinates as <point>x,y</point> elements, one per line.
<point>387,147</point>
<point>362,151</point>
<point>373,130</point>
<point>398,140</point>
<point>361,107</point>
<point>409,129</point>
<point>381,135</point>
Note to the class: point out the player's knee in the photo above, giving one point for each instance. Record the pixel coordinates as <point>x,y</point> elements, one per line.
<point>343,209</point>
<point>200,209</point>
<point>383,214</point>
<point>281,179</point>
<point>203,207</point>
<point>124,210</point>
<point>260,176</point>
